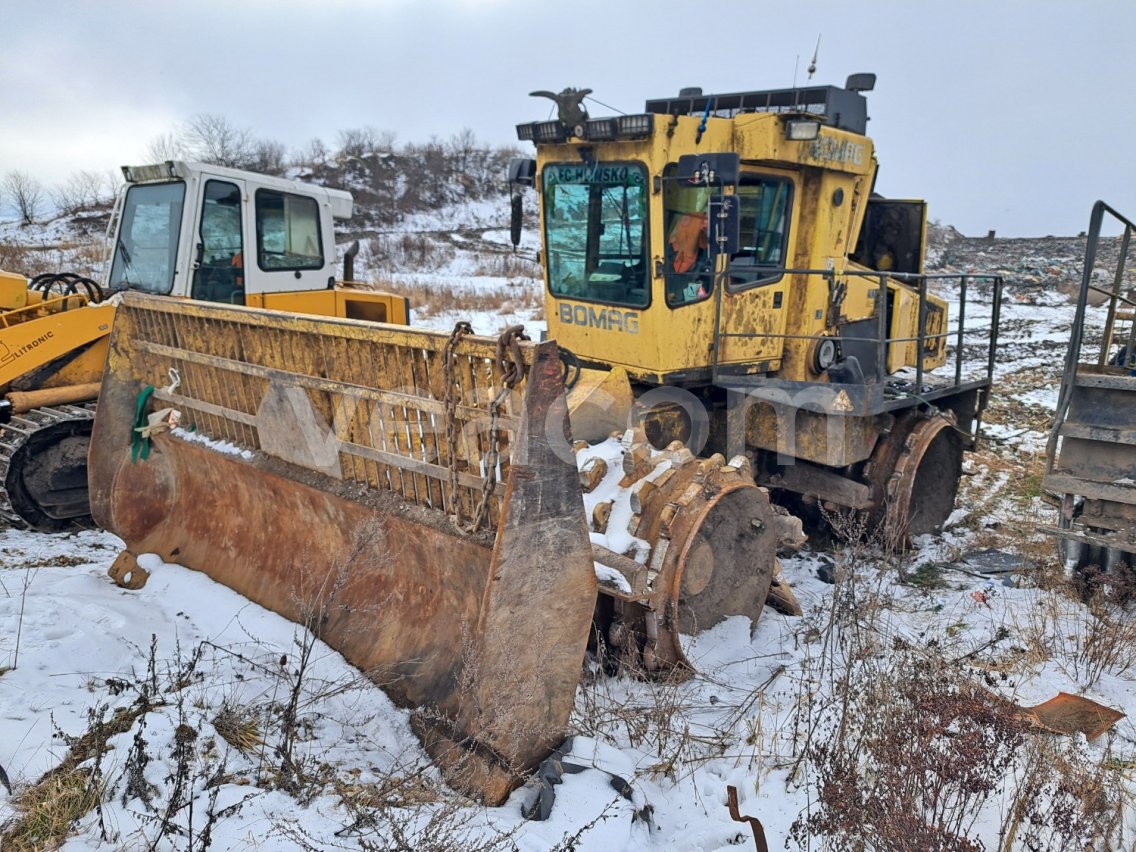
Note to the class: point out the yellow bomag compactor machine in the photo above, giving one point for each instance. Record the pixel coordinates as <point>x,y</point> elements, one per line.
<point>184,230</point>
<point>724,296</point>
<point>728,255</point>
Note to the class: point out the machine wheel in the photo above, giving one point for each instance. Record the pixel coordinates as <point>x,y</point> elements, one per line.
<point>914,472</point>
<point>705,538</point>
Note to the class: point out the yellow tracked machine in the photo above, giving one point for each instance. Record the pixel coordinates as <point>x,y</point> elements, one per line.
<point>736,316</point>
<point>184,230</point>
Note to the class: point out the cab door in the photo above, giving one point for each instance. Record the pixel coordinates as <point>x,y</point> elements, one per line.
<point>294,243</point>
<point>219,244</point>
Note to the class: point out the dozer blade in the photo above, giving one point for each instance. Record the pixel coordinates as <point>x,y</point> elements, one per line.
<point>334,471</point>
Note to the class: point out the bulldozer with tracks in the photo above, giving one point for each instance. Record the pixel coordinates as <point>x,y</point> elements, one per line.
<point>181,230</point>
<point>739,332</point>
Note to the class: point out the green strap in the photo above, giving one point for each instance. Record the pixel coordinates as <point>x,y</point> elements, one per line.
<point>139,446</point>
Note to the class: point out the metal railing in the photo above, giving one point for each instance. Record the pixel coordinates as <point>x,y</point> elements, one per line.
<point>916,284</point>
<point>1077,333</point>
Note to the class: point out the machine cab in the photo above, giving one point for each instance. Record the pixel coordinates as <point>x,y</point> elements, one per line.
<point>730,235</point>
<point>222,235</point>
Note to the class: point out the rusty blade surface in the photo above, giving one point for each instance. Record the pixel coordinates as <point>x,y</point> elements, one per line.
<point>482,632</point>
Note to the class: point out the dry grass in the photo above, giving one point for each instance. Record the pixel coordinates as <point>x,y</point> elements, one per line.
<point>913,755</point>
<point>431,298</point>
<point>508,266</point>
<point>1085,641</point>
<point>240,727</point>
<point>48,809</point>
<point>16,258</point>
<point>1065,799</point>
<point>85,258</point>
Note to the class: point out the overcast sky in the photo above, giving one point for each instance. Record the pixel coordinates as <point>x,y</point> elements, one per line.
<point>1014,116</point>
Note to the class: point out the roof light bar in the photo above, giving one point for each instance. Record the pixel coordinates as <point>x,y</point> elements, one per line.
<point>633,126</point>
<point>549,131</point>
<point>158,171</point>
<point>600,129</point>
<point>594,129</point>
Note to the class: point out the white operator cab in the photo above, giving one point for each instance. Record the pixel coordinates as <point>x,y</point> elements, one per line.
<point>216,234</point>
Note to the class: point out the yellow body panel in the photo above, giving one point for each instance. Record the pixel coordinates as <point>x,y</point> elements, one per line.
<point>771,328</point>
<point>38,341</point>
<point>599,403</point>
<point>905,325</point>
<point>349,303</point>
<point>13,291</point>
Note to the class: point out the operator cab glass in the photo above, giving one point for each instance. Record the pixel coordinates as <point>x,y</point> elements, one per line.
<point>219,276</point>
<point>146,250</point>
<point>595,220</point>
<point>763,211</point>
<point>287,231</point>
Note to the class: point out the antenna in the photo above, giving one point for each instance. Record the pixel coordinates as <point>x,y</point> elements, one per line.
<point>796,65</point>
<point>813,64</point>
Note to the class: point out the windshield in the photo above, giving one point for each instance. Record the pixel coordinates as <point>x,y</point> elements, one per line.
<point>146,249</point>
<point>595,220</point>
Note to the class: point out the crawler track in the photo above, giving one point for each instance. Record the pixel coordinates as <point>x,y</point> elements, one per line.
<point>43,467</point>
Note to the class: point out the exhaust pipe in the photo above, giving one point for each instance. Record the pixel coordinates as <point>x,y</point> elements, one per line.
<point>349,262</point>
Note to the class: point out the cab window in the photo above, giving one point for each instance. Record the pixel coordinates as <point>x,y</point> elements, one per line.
<point>145,253</point>
<point>595,221</point>
<point>763,209</point>
<point>689,269</point>
<point>219,276</point>
<point>287,231</point>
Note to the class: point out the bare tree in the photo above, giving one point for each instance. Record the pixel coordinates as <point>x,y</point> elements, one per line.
<point>460,146</point>
<point>313,154</point>
<point>167,146</point>
<point>112,180</point>
<point>267,157</point>
<point>26,194</point>
<point>83,190</point>
<point>214,139</point>
<point>360,141</point>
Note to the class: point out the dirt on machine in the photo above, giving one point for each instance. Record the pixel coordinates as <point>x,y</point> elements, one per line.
<point>178,230</point>
<point>740,333</point>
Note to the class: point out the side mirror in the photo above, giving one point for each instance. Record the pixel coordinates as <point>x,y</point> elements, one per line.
<point>522,172</point>
<point>517,214</point>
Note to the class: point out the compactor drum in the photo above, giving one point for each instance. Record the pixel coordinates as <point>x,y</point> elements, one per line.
<point>413,498</point>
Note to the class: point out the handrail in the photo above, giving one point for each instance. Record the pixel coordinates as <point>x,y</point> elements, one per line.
<point>1077,334</point>
<point>882,339</point>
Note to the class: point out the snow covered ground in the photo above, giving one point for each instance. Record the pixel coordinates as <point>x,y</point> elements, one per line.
<point>187,655</point>
<point>227,727</point>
